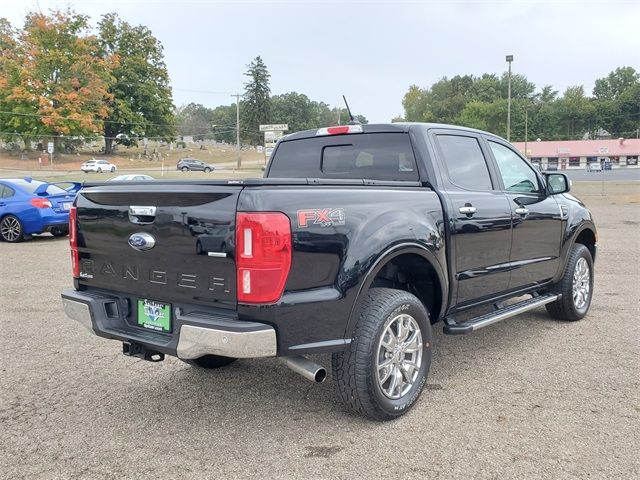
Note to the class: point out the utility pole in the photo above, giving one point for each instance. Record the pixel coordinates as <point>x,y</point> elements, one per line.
<point>237,95</point>
<point>526,132</point>
<point>509,60</point>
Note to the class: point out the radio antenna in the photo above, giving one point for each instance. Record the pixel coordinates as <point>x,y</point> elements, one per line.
<point>352,120</point>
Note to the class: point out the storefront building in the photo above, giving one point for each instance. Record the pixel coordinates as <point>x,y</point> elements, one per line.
<point>575,154</point>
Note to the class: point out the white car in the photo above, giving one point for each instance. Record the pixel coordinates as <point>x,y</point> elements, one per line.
<point>594,167</point>
<point>131,178</point>
<point>98,166</point>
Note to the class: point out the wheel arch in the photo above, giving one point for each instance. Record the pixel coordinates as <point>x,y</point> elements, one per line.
<point>587,237</point>
<point>409,267</point>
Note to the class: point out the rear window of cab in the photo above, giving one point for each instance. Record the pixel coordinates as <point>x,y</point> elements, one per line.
<point>374,156</point>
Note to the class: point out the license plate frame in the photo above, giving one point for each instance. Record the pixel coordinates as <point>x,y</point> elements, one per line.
<point>154,315</point>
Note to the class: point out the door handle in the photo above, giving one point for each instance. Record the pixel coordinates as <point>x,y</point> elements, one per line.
<point>522,211</point>
<point>467,210</point>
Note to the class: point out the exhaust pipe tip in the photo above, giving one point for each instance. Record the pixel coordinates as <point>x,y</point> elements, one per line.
<point>305,367</point>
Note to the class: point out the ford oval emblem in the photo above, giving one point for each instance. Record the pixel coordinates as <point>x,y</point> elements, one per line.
<point>142,241</point>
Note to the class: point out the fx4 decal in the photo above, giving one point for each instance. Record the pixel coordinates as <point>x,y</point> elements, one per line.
<point>324,217</point>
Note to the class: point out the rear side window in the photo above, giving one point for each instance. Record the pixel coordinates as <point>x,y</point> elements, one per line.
<point>6,192</point>
<point>465,162</point>
<point>374,156</point>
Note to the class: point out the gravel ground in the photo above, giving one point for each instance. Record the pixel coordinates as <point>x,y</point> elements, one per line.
<point>526,398</point>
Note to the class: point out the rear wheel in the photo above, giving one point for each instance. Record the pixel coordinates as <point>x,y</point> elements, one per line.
<point>11,229</point>
<point>385,368</point>
<point>211,361</point>
<point>576,286</point>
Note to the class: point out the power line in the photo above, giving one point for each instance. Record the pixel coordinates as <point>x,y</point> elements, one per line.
<point>42,115</point>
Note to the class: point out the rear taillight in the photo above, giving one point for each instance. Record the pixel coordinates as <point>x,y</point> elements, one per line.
<point>40,203</point>
<point>263,256</point>
<point>73,241</point>
<point>340,130</point>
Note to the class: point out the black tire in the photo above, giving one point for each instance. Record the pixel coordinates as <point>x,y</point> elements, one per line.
<point>207,169</point>
<point>565,308</point>
<point>11,229</point>
<point>59,231</point>
<point>99,170</point>
<point>211,362</point>
<point>185,169</point>
<point>113,169</point>
<point>355,370</point>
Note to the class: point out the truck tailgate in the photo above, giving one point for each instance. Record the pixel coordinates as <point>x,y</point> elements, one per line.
<point>181,249</point>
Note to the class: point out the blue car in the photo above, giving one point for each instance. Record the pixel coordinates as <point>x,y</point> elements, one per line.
<point>29,206</point>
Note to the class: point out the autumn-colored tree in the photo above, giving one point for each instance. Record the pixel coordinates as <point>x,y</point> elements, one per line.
<point>18,117</point>
<point>62,78</point>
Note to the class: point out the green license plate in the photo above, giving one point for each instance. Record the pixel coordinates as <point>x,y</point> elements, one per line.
<point>154,315</point>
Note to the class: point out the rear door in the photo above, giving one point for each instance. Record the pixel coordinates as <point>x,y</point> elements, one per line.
<point>156,242</point>
<point>479,216</point>
<point>537,218</point>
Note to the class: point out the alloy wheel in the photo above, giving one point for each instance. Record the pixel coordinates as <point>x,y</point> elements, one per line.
<point>399,356</point>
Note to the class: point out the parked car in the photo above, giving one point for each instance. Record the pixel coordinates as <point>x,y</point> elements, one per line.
<point>358,241</point>
<point>131,178</point>
<point>98,166</point>
<point>30,207</point>
<point>192,164</point>
<point>594,167</point>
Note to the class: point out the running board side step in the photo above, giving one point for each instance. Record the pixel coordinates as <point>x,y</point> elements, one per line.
<point>473,324</point>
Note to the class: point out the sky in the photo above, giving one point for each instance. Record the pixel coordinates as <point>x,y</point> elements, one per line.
<point>372,51</point>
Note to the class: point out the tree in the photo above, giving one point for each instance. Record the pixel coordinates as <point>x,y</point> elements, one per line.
<point>20,122</point>
<point>195,120</point>
<point>294,109</point>
<point>617,102</point>
<point>140,103</point>
<point>61,87</point>
<point>257,103</point>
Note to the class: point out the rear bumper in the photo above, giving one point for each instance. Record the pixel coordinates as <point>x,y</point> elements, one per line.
<point>194,335</point>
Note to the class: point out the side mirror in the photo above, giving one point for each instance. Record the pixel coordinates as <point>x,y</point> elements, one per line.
<point>557,183</point>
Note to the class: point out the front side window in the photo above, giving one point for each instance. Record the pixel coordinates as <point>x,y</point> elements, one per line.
<point>516,175</point>
<point>465,162</point>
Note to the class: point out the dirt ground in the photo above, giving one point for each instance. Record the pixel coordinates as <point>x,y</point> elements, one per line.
<point>529,397</point>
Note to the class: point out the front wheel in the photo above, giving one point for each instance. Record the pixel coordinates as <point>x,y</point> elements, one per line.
<point>207,169</point>
<point>113,169</point>
<point>184,169</point>
<point>210,362</point>
<point>385,368</point>
<point>576,286</point>
<point>99,170</point>
<point>11,229</point>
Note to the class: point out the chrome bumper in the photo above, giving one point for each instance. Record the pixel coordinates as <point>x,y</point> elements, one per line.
<point>195,342</point>
<point>236,339</point>
<point>79,312</point>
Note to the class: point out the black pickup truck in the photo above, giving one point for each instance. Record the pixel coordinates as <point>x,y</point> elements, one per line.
<point>357,240</point>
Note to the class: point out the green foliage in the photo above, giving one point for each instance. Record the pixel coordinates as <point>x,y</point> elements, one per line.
<point>481,102</point>
<point>141,104</point>
<point>195,120</point>
<point>257,103</point>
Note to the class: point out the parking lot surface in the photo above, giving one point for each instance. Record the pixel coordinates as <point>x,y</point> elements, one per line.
<point>529,397</point>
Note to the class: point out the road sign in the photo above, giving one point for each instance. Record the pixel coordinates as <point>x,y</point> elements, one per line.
<point>279,127</point>
<point>50,147</point>
<point>271,137</point>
